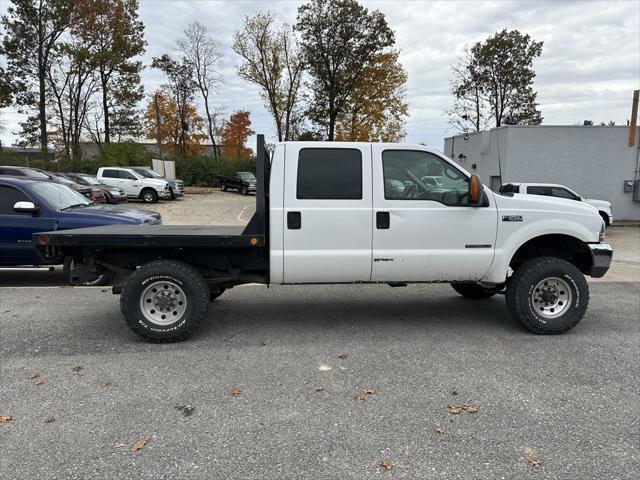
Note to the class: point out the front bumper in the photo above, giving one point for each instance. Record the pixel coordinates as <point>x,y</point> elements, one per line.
<point>601,255</point>
<point>164,193</point>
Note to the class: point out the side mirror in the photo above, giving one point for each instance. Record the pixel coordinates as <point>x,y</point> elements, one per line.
<point>476,192</point>
<point>26,207</point>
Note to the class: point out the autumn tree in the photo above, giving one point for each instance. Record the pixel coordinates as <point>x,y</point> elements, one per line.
<point>235,134</point>
<point>271,60</point>
<point>114,38</point>
<point>377,108</point>
<point>32,29</point>
<point>339,38</point>
<point>495,80</point>
<point>201,53</point>
<point>173,136</point>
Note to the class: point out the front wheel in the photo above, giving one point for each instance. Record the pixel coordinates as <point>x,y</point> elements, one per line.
<point>223,188</point>
<point>165,301</point>
<point>245,191</point>
<point>149,196</point>
<point>474,291</point>
<point>547,295</point>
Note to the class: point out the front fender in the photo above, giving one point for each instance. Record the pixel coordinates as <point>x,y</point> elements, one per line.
<point>512,235</point>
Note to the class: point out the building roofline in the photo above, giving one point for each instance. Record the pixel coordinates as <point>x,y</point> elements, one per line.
<point>535,126</point>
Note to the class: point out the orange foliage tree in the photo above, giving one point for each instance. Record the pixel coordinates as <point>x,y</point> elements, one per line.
<point>171,129</point>
<point>234,136</point>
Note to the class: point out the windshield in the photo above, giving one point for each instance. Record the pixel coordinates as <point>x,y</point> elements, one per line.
<point>64,180</point>
<point>148,173</point>
<point>59,197</point>
<point>247,176</point>
<point>36,174</point>
<point>89,180</point>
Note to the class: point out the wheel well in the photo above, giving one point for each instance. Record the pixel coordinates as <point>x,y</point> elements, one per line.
<point>605,217</point>
<point>562,246</point>
<point>146,189</point>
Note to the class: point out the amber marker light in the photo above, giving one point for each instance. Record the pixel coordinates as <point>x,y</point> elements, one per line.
<point>253,241</point>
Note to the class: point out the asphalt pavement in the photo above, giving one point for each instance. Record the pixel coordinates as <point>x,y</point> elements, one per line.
<point>319,382</point>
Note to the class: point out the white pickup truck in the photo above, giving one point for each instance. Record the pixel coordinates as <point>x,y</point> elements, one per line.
<point>355,213</point>
<point>149,190</point>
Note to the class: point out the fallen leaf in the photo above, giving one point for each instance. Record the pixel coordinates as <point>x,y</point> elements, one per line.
<point>369,391</point>
<point>50,419</point>
<point>470,408</point>
<point>359,396</point>
<point>76,371</point>
<point>527,452</point>
<point>343,356</point>
<point>40,381</point>
<point>534,462</point>
<point>324,368</point>
<point>454,409</point>
<point>33,374</point>
<point>439,429</point>
<point>5,418</point>
<point>120,445</point>
<point>386,464</point>
<point>235,392</point>
<point>105,384</point>
<point>139,445</point>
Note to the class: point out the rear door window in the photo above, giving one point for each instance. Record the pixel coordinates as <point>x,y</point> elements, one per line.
<point>329,174</point>
<point>539,191</point>
<point>109,173</point>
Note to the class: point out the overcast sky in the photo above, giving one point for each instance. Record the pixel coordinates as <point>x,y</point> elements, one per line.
<point>589,66</point>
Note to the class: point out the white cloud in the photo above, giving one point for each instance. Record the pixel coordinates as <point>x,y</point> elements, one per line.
<point>590,60</point>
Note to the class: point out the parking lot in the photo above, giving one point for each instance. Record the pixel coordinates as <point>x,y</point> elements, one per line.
<point>319,381</point>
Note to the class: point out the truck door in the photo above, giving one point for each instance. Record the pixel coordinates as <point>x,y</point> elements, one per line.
<point>16,228</point>
<point>425,232</point>
<point>327,213</point>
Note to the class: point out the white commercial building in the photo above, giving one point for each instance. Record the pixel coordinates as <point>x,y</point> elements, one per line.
<point>594,161</point>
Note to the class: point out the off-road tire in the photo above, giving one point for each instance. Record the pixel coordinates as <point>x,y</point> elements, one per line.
<point>148,195</point>
<point>474,291</point>
<point>521,286</point>
<point>190,281</point>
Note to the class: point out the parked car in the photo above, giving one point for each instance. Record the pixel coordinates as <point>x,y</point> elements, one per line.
<point>35,173</point>
<point>112,194</point>
<point>28,206</point>
<point>95,194</point>
<point>559,191</point>
<point>244,182</point>
<point>176,186</point>
<point>149,190</point>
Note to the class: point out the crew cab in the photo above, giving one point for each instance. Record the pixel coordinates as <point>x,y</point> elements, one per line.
<point>559,191</point>
<point>28,206</point>
<point>356,213</point>
<point>149,190</point>
<point>244,182</point>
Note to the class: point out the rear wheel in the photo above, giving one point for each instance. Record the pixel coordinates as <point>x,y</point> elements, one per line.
<point>149,196</point>
<point>165,301</point>
<point>474,291</point>
<point>547,295</point>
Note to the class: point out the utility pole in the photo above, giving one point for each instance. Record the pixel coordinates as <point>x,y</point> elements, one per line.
<point>158,124</point>
<point>634,118</point>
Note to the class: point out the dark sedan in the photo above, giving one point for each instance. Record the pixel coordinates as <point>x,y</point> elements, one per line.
<point>113,194</point>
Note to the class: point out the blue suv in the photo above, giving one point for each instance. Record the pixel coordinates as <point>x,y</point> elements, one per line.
<point>29,206</point>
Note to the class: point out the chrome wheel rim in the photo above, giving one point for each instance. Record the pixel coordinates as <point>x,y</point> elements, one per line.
<point>163,303</point>
<point>551,297</point>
